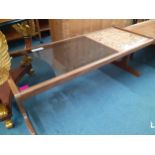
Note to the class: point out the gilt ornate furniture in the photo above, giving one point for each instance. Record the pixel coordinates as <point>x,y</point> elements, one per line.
<point>24,27</point>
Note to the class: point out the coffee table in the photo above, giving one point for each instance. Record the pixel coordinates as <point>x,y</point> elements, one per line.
<point>73,57</point>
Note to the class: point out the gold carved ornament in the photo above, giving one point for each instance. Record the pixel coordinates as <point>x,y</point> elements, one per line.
<point>26,28</point>
<point>5,60</point>
<point>5,65</point>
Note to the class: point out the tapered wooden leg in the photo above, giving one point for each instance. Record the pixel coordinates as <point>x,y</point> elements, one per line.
<point>28,42</point>
<point>15,90</point>
<point>123,64</point>
<point>38,29</point>
<point>26,118</point>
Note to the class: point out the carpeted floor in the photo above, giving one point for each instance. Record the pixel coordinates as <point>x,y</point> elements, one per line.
<point>104,101</point>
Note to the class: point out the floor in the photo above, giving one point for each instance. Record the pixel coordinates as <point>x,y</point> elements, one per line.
<point>105,101</point>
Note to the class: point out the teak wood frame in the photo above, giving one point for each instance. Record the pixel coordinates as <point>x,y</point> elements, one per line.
<point>20,96</point>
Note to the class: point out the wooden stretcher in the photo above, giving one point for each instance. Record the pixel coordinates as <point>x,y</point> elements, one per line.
<point>119,42</point>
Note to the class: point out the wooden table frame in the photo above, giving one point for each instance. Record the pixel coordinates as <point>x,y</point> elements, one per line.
<point>20,96</point>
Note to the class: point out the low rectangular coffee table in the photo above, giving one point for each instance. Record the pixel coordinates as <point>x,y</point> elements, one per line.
<point>73,57</point>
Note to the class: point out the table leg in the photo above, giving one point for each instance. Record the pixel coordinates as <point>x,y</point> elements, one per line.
<point>15,90</point>
<point>27,59</point>
<point>132,56</point>
<point>26,118</point>
<point>123,64</point>
<point>38,29</point>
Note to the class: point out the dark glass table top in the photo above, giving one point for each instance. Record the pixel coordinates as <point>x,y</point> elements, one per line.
<point>66,56</point>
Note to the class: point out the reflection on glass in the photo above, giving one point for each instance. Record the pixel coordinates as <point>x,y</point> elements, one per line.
<point>74,53</point>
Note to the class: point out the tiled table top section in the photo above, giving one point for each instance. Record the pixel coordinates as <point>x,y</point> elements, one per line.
<point>119,40</point>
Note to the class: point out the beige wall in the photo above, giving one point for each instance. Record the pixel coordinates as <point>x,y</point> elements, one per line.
<point>65,28</point>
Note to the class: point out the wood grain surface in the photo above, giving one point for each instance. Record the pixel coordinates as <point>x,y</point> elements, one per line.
<point>146,28</point>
